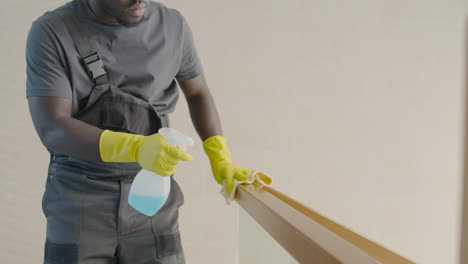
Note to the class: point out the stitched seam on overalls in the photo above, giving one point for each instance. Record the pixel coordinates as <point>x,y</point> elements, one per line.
<point>82,215</point>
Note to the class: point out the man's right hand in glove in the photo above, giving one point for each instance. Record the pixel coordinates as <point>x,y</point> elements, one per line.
<point>152,152</point>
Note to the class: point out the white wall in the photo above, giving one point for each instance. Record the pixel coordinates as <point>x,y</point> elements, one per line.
<point>354,107</point>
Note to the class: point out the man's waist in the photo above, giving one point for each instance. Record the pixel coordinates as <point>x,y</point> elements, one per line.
<point>96,169</point>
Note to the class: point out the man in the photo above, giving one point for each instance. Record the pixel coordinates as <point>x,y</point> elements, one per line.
<point>101,80</point>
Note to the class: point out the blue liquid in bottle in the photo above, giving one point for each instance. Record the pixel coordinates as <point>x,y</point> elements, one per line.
<point>149,191</point>
<point>147,205</point>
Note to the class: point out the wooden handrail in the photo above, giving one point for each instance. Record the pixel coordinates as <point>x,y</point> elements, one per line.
<point>308,236</point>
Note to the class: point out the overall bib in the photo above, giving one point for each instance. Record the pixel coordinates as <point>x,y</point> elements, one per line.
<point>85,202</point>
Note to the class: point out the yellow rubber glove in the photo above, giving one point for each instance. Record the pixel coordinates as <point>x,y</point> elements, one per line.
<point>221,163</point>
<point>152,152</point>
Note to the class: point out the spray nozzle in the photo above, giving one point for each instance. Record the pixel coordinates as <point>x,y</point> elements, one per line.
<point>176,138</point>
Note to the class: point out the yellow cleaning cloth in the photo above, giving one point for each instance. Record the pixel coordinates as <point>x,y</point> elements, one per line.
<point>259,179</point>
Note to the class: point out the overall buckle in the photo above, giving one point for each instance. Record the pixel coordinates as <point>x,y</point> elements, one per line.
<point>94,65</point>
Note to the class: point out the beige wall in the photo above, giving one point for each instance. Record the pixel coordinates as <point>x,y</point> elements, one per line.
<point>354,107</point>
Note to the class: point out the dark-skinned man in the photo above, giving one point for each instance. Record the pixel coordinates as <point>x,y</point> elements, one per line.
<point>102,78</point>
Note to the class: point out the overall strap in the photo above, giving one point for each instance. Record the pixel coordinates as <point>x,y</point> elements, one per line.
<point>89,56</point>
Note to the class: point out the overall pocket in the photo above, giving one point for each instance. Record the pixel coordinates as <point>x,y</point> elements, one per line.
<point>63,203</point>
<point>165,223</point>
<point>168,245</point>
<point>50,178</point>
<point>126,114</point>
<point>108,107</point>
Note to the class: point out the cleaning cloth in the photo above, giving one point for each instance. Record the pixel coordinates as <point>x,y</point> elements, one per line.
<point>258,179</point>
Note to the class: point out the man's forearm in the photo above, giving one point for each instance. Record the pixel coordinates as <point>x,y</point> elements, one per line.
<point>60,132</point>
<point>74,138</point>
<point>204,115</point>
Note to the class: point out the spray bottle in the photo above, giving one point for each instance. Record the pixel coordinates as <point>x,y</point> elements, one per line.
<point>149,191</point>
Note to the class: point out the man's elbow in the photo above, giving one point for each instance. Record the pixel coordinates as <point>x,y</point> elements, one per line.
<point>50,134</point>
<point>46,137</point>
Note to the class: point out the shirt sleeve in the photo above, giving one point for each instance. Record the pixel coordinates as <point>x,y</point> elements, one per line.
<point>46,74</point>
<point>190,66</point>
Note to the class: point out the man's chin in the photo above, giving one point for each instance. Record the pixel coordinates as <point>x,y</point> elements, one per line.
<point>129,20</point>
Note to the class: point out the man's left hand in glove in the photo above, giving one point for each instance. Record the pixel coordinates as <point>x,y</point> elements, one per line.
<point>221,163</point>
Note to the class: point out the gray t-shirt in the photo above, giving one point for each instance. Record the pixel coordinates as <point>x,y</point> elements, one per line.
<point>143,60</point>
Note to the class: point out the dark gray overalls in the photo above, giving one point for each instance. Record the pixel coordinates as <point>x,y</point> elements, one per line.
<point>88,217</point>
